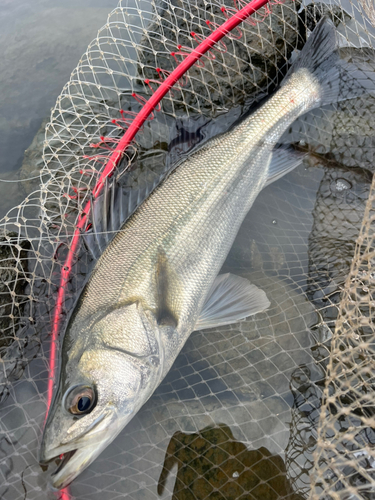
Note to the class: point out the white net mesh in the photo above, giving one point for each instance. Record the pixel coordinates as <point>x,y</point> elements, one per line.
<point>369,9</point>
<point>278,406</point>
<point>344,457</point>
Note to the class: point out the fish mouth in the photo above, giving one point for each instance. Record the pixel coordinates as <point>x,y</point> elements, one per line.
<point>64,460</point>
<point>75,455</point>
<point>71,464</point>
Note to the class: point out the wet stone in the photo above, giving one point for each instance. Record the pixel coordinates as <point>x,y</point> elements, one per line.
<point>33,160</point>
<point>313,13</point>
<point>237,75</point>
<point>213,464</point>
<point>13,270</point>
<point>337,222</point>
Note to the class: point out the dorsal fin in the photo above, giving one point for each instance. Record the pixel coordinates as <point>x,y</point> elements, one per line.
<point>118,201</point>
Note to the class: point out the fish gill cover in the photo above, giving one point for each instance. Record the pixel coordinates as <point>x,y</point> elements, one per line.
<point>280,404</point>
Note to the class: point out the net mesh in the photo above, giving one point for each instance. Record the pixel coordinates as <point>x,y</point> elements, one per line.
<point>369,9</point>
<point>277,406</point>
<point>344,458</point>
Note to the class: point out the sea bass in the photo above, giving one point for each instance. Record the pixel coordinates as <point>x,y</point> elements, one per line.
<point>157,280</point>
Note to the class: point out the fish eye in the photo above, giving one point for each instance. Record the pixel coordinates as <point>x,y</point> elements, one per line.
<point>80,400</point>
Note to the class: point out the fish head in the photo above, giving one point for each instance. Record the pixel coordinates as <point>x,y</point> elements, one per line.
<point>108,371</point>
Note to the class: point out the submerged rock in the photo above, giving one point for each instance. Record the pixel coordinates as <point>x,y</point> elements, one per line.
<point>212,463</point>
<point>13,280</point>
<point>33,160</point>
<point>344,132</point>
<point>313,13</point>
<point>338,214</point>
<point>242,68</point>
<point>13,300</point>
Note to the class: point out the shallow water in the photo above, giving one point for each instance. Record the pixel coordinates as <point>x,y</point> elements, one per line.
<point>239,409</point>
<point>41,42</point>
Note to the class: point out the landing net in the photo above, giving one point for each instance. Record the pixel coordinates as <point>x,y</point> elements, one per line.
<point>278,405</point>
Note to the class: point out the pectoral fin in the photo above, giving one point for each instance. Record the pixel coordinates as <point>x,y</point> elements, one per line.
<point>230,299</point>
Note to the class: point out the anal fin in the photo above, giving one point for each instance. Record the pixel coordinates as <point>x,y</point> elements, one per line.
<point>283,160</point>
<point>230,299</point>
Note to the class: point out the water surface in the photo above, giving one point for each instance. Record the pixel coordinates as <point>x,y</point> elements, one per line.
<point>41,42</point>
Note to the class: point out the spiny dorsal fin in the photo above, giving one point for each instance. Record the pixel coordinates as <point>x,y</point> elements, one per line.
<point>112,209</point>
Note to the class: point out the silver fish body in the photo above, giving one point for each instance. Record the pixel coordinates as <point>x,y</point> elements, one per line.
<point>148,289</point>
<point>184,232</point>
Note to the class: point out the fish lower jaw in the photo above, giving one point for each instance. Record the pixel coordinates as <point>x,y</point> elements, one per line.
<point>72,463</point>
<point>61,478</point>
<point>61,462</point>
<point>65,457</point>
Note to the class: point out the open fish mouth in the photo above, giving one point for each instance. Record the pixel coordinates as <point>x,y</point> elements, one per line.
<point>57,477</point>
<point>64,460</point>
<point>72,457</point>
<point>72,463</point>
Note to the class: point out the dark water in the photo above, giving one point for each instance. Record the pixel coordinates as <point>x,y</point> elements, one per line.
<point>237,414</point>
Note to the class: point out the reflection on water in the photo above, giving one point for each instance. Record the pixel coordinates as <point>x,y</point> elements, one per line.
<point>213,464</point>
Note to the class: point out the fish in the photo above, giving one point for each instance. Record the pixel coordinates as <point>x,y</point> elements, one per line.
<point>158,279</point>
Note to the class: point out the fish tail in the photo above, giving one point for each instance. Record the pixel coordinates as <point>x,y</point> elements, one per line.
<point>342,73</point>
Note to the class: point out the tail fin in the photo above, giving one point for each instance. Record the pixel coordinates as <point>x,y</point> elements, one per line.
<point>342,73</point>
